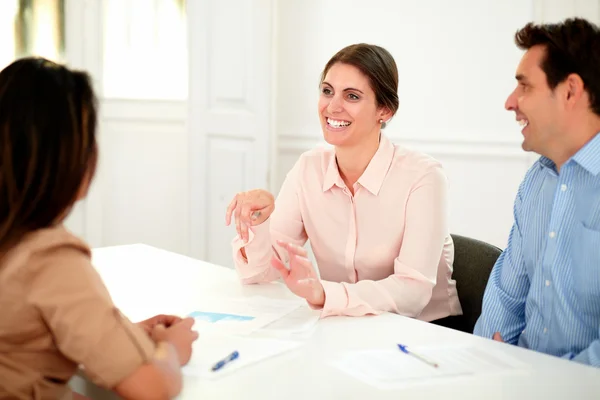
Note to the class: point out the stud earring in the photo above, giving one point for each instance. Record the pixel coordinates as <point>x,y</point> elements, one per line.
<point>380,121</point>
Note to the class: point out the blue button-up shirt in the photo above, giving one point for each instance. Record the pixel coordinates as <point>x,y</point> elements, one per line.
<point>544,291</point>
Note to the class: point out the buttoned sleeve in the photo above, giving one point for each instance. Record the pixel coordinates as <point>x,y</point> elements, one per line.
<point>285,223</point>
<point>589,356</point>
<point>503,308</point>
<point>84,322</point>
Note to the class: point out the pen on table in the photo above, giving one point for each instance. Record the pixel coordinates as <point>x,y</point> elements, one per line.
<point>225,361</point>
<point>404,349</point>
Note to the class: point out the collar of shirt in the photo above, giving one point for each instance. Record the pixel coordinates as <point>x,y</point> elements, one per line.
<point>588,157</point>
<point>372,178</point>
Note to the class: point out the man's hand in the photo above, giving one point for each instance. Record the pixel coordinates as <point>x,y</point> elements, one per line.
<point>162,319</point>
<point>497,337</point>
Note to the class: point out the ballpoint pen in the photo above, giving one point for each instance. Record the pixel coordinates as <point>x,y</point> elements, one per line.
<point>404,349</point>
<point>225,361</point>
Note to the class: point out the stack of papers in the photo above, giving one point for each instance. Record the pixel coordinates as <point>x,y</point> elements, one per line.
<point>392,369</point>
<point>241,316</point>
<point>208,350</point>
<point>225,324</point>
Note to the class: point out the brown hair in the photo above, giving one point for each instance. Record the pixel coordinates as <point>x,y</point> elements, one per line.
<point>572,47</point>
<point>48,146</point>
<point>378,65</point>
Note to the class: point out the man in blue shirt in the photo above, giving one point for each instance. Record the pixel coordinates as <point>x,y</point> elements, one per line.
<point>544,291</point>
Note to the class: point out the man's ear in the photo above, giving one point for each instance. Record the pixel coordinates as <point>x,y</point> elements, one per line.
<point>575,88</point>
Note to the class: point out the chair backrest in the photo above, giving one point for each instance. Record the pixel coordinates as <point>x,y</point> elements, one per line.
<point>473,263</point>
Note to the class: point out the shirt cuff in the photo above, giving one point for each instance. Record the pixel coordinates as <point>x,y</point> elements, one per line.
<point>336,298</point>
<point>258,239</point>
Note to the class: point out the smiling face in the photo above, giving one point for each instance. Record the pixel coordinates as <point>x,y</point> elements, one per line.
<point>348,109</point>
<point>537,109</point>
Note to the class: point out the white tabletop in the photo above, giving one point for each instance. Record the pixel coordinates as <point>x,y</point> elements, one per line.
<point>145,281</point>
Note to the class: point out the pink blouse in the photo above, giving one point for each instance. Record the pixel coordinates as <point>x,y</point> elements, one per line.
<point>387,248</point>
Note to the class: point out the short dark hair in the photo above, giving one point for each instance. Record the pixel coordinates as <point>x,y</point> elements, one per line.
<point>572,47</point>
<point>378,65</point>
<point>48,147</point>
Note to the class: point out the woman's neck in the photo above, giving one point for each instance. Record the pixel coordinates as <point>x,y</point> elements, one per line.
<point>353,161</point>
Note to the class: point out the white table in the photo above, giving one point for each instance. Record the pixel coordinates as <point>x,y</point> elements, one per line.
<point>145,281</point>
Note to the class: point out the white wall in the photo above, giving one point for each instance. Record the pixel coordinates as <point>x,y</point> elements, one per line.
<point>555,10</point>
<point>169,167</point>
<point>456,61</point>
<point>141,190</point>
<point>229,114</point>
<point>145,174</point>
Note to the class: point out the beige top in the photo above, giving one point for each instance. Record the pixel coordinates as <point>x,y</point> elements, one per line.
<point>56,314</point>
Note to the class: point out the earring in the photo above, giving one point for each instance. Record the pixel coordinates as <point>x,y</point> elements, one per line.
<point>380,121</point>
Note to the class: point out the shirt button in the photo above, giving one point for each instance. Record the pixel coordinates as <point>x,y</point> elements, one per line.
<point>563,187</point>
<point>547,283</point>
<point>545,330</point>
<point>552,235</point>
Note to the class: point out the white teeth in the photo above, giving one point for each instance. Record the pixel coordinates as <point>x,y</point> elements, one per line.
<point>336,123</point>
<point>523,122</point>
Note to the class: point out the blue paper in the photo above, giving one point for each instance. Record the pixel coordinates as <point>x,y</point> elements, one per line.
<point>213,317</point>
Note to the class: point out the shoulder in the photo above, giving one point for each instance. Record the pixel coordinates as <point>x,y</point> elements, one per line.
<point>317,157</point>
<point>413,159</point>
<point>533,178</point>
<point>414,165</point>
<point>313,161</point>
<point>57,241</point>
<point>54,247</point>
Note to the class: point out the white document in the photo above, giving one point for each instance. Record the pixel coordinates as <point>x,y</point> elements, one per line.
<point>210,349</point>
<point>240,316</point>
<point>393,369</point>
<point>298,323</point>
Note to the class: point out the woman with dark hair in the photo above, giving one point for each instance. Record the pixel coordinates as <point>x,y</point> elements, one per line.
<point>374,212</point>
<point>56,312</point>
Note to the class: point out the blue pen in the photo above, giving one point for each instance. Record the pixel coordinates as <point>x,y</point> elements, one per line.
<point>225,361</point>
<point>404,349</point>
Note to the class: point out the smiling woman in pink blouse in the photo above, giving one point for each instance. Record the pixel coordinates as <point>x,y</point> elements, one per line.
<point>374,212</point>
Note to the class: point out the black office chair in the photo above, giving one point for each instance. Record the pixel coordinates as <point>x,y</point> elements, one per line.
<point>473,262</point>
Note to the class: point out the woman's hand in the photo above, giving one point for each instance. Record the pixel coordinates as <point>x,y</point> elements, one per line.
<point>180,335</point>
<point>301,277</point>
<point>162,319</point>
<point>249,208</point>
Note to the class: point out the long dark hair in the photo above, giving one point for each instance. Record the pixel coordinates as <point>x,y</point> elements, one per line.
<point>48,150</point>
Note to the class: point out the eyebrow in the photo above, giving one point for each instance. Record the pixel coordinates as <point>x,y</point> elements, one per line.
<point>521,78</point>
<point>345,90</point>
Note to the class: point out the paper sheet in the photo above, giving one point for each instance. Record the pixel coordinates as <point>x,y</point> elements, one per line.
<point>299,323</point>
<point>391,369</point>
<point>241,316</point>
<point>209,349</point>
